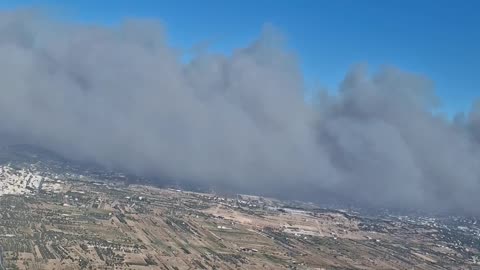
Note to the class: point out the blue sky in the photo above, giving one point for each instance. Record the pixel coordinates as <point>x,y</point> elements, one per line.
<point>440,38</point>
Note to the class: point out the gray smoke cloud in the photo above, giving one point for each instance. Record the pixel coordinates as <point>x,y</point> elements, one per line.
<point>122,97</point>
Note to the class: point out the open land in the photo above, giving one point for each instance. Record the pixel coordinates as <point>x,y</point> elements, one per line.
<point>51,220</point>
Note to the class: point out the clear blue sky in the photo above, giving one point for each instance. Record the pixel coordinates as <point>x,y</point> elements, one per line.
<point>438,38</point>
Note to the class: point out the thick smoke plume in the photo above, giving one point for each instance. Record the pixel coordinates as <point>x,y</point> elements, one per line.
<point>122,97</point>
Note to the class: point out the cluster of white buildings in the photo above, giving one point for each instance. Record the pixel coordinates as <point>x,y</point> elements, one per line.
<point>22,181</point>
<point>28,181</point>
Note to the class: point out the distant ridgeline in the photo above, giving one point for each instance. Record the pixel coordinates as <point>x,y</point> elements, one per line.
<point>41,160</point>
<point>19,154</point>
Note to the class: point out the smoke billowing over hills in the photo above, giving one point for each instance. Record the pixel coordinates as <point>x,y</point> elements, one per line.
<point>122,97</point>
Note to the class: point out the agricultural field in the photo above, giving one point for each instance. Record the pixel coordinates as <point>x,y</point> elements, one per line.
<point>101,225</point>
